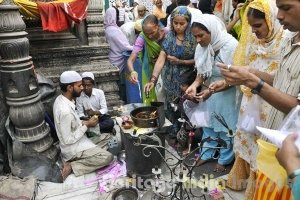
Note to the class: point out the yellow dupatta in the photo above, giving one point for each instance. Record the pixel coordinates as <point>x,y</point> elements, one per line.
<point>261,54</point>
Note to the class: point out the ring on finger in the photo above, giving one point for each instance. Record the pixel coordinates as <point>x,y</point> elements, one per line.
<point>228,67</point>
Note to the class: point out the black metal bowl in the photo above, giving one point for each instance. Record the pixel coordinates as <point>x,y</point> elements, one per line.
<point>126,193</point>
<point>141,116</point>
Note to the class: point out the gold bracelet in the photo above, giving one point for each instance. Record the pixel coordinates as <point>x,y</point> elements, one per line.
<point>133,72</point>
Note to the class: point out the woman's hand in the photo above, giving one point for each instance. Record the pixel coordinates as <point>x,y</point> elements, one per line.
<point>148,87</point>
<point>173,60</point>
<point>218,86</point>
<point>191,91</point>
<point>133,78</point>
<point>236,75</point>
<point>237,16</point>
<point>204,95</point>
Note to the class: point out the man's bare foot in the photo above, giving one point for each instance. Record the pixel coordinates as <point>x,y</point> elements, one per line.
<point>67,170</point>
<point>219,168</point>
<point>200,162</point>
<point>185,152</point>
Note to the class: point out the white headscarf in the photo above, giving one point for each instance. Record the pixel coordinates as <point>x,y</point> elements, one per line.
<point>204,56</point>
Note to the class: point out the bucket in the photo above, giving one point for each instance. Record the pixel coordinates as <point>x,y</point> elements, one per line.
<point>136,163</point>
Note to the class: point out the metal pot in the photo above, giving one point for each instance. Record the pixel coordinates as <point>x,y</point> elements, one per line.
<point>126,193</point>
<point>141,117</point>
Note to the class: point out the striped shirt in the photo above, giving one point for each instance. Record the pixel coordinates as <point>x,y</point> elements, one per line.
<point>287,79</point>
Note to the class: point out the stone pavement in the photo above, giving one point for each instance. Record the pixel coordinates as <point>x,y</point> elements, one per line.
<point>75,188</point>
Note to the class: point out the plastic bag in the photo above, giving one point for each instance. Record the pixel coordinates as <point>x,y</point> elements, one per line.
<point>291,124</point>
<point>197,113</point>
<point>250,117</point>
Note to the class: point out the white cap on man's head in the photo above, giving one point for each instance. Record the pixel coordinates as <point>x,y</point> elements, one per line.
<point>69,77</point>
<point>88,75</point>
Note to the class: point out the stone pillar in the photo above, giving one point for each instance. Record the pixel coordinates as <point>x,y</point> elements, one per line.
<point>19,83</point>
<point>94,22</point>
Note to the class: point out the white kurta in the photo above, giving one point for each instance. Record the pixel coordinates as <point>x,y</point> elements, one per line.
<point>69,129</point>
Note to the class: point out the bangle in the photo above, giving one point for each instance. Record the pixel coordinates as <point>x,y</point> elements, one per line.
<point>133,72</point>
<point>153,79</point>
<point>294,174</point>
<point>225,83</point>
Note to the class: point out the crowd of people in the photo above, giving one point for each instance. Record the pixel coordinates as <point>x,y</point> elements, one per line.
<point>245,69</point>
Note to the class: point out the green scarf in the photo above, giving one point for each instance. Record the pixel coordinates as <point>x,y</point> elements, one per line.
<point>148,55</point>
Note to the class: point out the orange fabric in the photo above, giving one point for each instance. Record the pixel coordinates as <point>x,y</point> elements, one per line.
<point>57,16</point>
<point>268,190</point>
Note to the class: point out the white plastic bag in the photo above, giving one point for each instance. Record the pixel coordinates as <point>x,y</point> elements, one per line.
<point>250,118</point>
<point>197,113</point>
<point>291,122</point>
<point>290,125</point>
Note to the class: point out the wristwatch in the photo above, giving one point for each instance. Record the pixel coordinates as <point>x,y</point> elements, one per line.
<point>257,89</point>
<point>293,175</point>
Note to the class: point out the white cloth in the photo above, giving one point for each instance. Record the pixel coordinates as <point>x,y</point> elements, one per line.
<point>129,32</point>
<point>88,75</point>
<point>121,14</point>
<point>195,13</point>
<point>128,17</point>
<point>226,10</point>
<point>69,77</point>
<point>96,101</point>
<point>204,56</point>
<point>69,129</point>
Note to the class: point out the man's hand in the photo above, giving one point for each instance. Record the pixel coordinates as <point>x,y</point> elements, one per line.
<point>91,112</point>
<point>289,155</point>
<point>93,121</point>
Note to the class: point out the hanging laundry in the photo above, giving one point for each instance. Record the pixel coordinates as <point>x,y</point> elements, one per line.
<point>59,16</point>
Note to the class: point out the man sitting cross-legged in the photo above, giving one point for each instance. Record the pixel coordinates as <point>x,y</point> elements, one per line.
<point>80,154</point>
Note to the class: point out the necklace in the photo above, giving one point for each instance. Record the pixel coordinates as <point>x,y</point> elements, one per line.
<point>181,40</point>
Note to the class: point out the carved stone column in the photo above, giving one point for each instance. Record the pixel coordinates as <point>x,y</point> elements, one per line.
<point>20,85</point>
<point>94,22</point>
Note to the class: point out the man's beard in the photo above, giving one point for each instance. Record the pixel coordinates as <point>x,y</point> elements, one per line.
<point>76,94</point>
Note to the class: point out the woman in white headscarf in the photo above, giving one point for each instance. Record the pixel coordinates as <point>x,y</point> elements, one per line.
<point>214,45</point>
